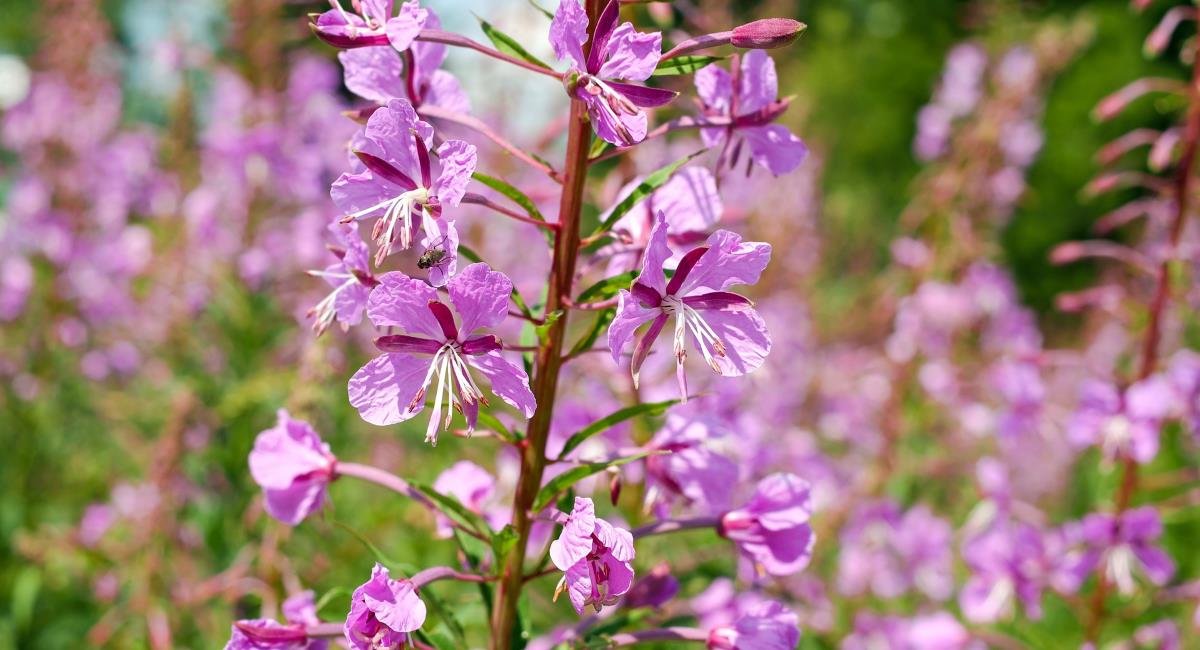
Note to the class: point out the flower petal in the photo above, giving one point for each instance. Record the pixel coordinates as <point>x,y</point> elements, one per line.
<point>458,163</point>
<point>389,136</point>
<point>631,55</point>
<point>440,235</point>
<point>384,388</point>
<point>291,505</point>
<point>775,148</point>
<point>759,85</point>
<point>629,317</point>
<point>399,607</point>
<point>354,193</point>
<point>644,96</point>
<point>443,90</point>
<point>729,261</point>
<point>656,256</point>
<point>618,541</point>
<point>568,32</point>
<point>620,130</point>
<point>401,301</point>
<point>404,27</point>
<point>480,296</point>
<point>509,381</point>
<point>714,85</point>
<point>575,541</point>
<point>373,73</point>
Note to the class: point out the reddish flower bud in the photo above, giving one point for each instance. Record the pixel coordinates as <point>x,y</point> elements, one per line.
<point>767,34</point>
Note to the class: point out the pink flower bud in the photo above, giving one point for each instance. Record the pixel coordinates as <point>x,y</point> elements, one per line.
<point>767,34</point>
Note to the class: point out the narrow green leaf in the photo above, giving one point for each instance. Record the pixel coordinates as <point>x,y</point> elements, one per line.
<point>508,189</point>
<point>455,510</point>
<point>613,419</point>
<point>686,64</point>
<point>608,287</point>
<point>378,554</point>
<point>469,253</point>
<point>508,44</point>
<point>544,329</point>
<point>545,12</point>
<point>572,476</point>
<point>585,343</point>
<point>489,421</point>
<point>503,543</point>
<point>326,598</point>
<point>439,609</point>
<point>647,187</point>
<point>599,146</point>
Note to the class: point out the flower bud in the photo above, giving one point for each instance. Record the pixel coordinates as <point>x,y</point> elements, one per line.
<point>767,34</point>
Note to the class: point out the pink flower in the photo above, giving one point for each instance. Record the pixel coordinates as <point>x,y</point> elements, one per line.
<point>595,558</point>
<point>373,24</point>
<point>392,387</point>
<point>467,482</point>
<point>293,467</point>
<point>401,183</point>
<point>617,53</point>
<point>350,278</point>
<point>265,634</point>
<point>382,612</point>
<point>749,112</point>
<point>772,529</point>
<point>731,335</point>
<point>766,626</point>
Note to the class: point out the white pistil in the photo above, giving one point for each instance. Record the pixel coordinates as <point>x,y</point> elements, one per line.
<point>397,212</point>
<point>326,310</point>
<point>455,386</point>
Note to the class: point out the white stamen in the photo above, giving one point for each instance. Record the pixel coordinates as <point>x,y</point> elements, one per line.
<point>397,212</point>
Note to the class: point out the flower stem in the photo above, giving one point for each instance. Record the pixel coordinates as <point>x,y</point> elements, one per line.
<point>547,364</point>
<point>433,574</point>
<point>396,484</point>
<point>1157,308</point>
<point>675,525</point>
<point>457,40</point>
<point>659,634</point>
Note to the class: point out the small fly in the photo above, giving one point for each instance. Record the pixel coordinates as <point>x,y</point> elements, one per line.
<point>433,256</point>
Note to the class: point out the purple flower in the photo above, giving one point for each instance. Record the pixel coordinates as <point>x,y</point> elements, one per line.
<point>653,590</point>
<point>350,278</point>
<point>692,470</point>
<point>772,529</point>
<point>399,179</point>
<point>371,24</point>
<point>724,325</point>
<point>889,553</point>
<point>1007,563</point>
<point>293,467</point>
<point>1184,373</point>
<point>382,612</point>
<point>618,54</point>
<point>595,558</point>
<point>264,634</point>
<point>467,482</point>
<point>749,113</point>
<point>1121,543</point>
<point>768,626</point>
<point>378,74</point>
<point>936,631</point>
<point>1123,425</point>
<point>392,387</point>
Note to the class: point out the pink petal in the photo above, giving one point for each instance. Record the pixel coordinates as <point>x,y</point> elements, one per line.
<point>575,541</point>
<point>759,83</point>
<point>443,90</point>
<point>618,541</point>
<point>714,85</point>
<point>631,55</point>
<point>568,32</point>
<point>373,73</point>
<point>353,193</point>
<point>579,582</point>
<point>389,136</point>
<point>610,126</point>
<point>728,262</point>
<point>401,301</point>
<point>656,256</point>
<point>383,389</point>
<point>458,163</point>
<point>404,27</point>
<point>508,380</point>
<point>480,296</point>
<point>629,317</point>
<point>775,148</point>
<point>745,336</point>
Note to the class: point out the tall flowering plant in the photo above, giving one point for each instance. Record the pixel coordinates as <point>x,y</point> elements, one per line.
<point>440,325</point>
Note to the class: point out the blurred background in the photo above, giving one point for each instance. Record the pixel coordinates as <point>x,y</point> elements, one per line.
<point>164,173</point>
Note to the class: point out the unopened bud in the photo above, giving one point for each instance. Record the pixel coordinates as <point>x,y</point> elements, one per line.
<point>767,34</point>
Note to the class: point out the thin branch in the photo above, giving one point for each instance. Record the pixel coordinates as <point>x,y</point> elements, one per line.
<point>483,129</point>
<point>675,525</point>
<point>400,486</point>
<point>457,40</point>
<point>479,199</point>
<point>659,634</point>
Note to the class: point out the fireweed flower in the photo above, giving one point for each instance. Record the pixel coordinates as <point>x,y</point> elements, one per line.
<point>293,467</point>
<point>399,186</point>
<point>935,631</point>
<point>378,74</point>
<point>749,112</point>
<point>470,484</point>
<point>730,334</point>
<point>692,470</point>
<point>370,23</point>
<point>767,626</point>
<point>653,590</point>
<point>1008,563</point>
<point>772,529</point>
<point>264,634</point>
<point>392,387</point>
<point>1122,424</point>
<point>1119,544</point>
<point>595,558</point>
<point>382,612</point>
<point>618,54</point>
<point>350,278</point>
<point>889,553</point>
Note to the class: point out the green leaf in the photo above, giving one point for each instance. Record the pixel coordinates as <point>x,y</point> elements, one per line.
<point>326,598</point>
<point>489,421</point>
<point>647,187</point>
<point>544,329</point>
<point>572,476</point>
<point>588,340</point>
<point>503,543</point>
<point>455,510</point>
<point>613,419</point>
<point>508,44</point>
<point>517,196</point>
<point>686,64</point>
<point>545,12</point>
<point>469,253</point>
<point>599,146</point>
<point>439,609</point>
<point>608,287</point>
<point>378,554</point>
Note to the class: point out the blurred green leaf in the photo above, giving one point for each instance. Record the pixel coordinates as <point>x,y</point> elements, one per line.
<point>686,64</point>
<point>508,44</point>
<point>653,181</point>
<point>550,490</point>
<point>613,419</point>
